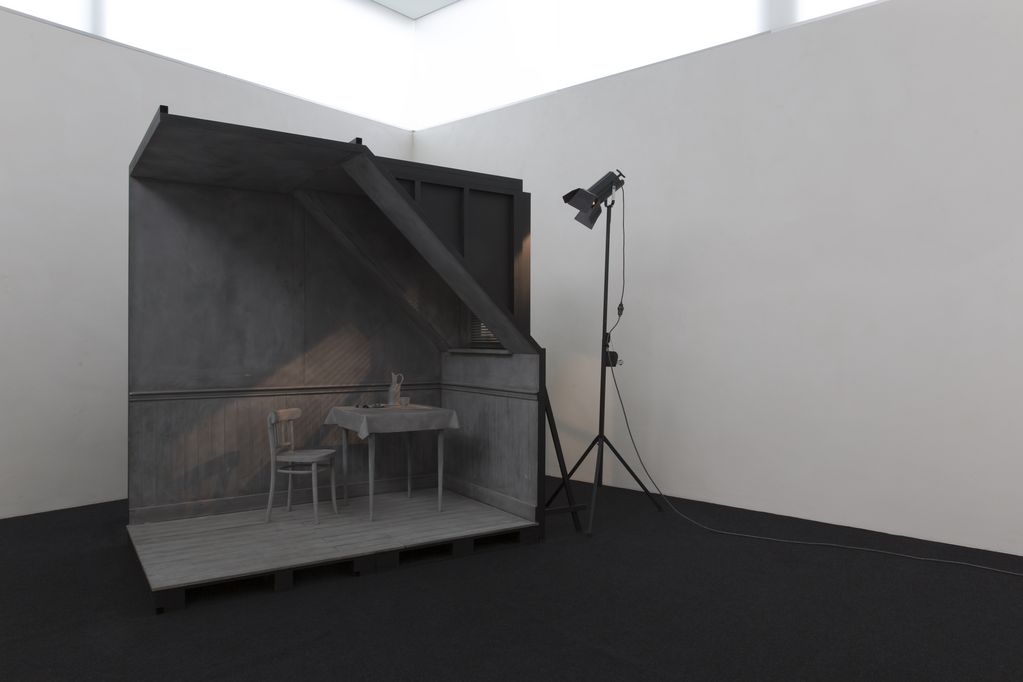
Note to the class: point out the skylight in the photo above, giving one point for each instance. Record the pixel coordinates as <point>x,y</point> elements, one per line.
<point>462,59</point>
<point>415,9</point>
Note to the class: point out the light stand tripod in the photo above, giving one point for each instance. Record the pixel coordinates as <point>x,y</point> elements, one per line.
<point>608,359</point>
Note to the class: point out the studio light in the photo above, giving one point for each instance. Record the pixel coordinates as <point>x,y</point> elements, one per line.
<point>588,201</point>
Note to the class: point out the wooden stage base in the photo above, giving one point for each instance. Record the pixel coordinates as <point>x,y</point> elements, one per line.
<point>184,553</point>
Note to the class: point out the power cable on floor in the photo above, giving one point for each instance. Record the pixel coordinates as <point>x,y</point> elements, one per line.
<point>786,541</point>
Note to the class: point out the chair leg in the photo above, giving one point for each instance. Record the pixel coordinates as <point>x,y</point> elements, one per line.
<point>333,485</point>
<point>290,478</point>
<point>372,457</point>
<point>316,497</point>
<point>344,466</point>
<point>270,499</point>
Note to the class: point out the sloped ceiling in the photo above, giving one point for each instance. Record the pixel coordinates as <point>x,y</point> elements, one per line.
<point>414,9</point>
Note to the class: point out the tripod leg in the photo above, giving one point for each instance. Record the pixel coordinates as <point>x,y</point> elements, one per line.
<point>571,471</point>
<point>634,476</point>
<point>549,412</point>
<point>596,477</point>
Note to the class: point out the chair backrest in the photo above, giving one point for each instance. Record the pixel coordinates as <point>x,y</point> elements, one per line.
<point>280,430</point>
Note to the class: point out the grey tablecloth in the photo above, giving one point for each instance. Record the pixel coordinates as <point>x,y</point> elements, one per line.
<point>367,420</point>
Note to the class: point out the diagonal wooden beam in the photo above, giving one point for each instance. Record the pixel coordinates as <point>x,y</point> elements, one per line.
<point>314,207</point>
<point>392,200</point>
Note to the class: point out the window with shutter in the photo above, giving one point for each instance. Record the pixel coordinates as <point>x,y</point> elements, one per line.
<point>480,335</point>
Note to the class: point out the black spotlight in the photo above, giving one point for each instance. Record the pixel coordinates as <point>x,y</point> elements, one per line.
<point>588,201</point>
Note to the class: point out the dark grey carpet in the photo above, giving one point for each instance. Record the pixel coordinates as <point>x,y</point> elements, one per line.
<point>648,597</point>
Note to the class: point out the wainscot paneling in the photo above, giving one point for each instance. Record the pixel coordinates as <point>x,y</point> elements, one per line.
<point>196,456</point>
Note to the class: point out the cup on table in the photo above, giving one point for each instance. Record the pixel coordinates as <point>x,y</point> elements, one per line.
<point>405,401</point>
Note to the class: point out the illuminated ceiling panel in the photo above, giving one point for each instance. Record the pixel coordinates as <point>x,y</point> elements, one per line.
<point>413,9</point>
<point>405,63</point>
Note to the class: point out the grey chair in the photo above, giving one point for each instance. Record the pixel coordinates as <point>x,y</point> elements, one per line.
<point>285,459</point>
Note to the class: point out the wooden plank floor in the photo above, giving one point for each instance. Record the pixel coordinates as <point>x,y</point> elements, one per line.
<point>205,549</point>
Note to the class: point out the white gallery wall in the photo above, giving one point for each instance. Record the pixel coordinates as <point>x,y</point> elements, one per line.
<point>824,312</point>
<point>333,52</point>
<point>73,110</point>
<point>524,48</point>
<point>823,305</point>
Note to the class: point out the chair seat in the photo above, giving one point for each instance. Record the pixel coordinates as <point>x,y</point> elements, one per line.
<point>306,456</point>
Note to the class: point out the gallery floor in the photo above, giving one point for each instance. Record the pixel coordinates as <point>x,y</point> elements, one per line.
<point>648,597</point>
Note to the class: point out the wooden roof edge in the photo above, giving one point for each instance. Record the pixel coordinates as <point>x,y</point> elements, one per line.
<point>162,111</point>
<point>263,135</point>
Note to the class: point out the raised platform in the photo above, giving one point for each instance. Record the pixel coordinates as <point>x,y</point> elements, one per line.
<point>188,552</point>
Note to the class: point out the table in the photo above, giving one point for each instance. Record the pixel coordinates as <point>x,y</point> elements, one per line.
<point>369,421</point>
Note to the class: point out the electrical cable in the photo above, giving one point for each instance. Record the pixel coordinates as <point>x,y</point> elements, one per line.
<point>621,299</point>
<point>787,541</point>
<point>751,536</point>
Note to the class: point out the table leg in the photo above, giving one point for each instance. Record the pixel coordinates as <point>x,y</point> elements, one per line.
<point>408,471</point>
<point>316,500</point>
<point>440,469</point>
<point>344,465</point>
<point>372,453</point>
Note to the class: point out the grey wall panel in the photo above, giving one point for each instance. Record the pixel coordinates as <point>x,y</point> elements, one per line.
<point>384,244</point>
<point>495,450</point>
<point>355,334</point>
<point>216,295</point>
<point>518,373</point>
<point>521,244</point>
<point>186,450</point>
<point>444,209</point>
<point>488,243</point>
<point>483,218</point>
<point>242,289</point>
<point>373,275</point>
<point>392,201</point>
<point>494,455</point>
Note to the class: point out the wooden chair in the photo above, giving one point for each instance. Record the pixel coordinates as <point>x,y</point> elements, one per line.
<point>285,459</point>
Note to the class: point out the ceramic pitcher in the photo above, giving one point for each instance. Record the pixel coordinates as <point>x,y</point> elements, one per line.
<point>394,391</point>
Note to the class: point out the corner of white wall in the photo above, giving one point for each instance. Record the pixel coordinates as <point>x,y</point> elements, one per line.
<point>822,312</point>
<point>74,110</point>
